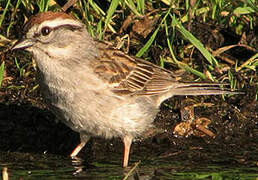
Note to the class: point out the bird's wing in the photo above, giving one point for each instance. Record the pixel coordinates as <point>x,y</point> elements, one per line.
<point>130,75</point>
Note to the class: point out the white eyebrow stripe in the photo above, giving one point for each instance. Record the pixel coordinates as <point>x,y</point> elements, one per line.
<point>59,22</point>
<point>53,24</point>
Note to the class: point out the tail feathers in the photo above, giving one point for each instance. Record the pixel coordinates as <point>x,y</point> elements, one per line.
<point>202,89</point>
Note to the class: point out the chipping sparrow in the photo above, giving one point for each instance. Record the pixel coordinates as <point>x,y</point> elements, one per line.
<point>95,89</point>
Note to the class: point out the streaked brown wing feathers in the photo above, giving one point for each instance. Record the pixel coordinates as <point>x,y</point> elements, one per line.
<point>129,75</point>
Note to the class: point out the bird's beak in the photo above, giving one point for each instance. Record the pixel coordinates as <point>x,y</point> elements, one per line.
<point>23,44</point>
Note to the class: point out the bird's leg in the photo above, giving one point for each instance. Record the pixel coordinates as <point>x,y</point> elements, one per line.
<point>84,139</point>
<point>127,145</point>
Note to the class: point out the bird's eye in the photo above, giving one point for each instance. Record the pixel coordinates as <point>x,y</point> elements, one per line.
<point>45,31</point>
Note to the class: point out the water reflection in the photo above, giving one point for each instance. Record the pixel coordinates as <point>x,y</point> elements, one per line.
<point>5,175</point>
<point>47,166</point>
<point>77,163</point>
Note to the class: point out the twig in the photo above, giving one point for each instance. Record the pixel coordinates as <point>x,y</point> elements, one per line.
<point>131,170</point>
<point>68,5</point>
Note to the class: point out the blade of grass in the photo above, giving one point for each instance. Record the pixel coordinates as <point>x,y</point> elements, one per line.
<point>43,5</point>
<point>84,6</point>
<point>214,9</point>
<point>148,44</point>
<point>250,2</point>
<point>191,70</point>
<point>243,10</point>
<point>250,60</point>
<point>96,8</point>
<point>131,170</point>
<point>111,10</point>
<point>8,28</point>
<point>99,30</point>
<point>5,10</point>
<point>195,42</point>
<point>15,87</point>
<point>232,80</point>
<point>1,73</point>
<point>175,61</point>
<point>140,5</point>
<point>130,4</point>
<point>152,38</point>
<point>16,63</point>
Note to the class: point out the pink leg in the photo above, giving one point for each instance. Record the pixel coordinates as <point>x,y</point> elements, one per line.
<point>84,140</point>
<point>127,145</point>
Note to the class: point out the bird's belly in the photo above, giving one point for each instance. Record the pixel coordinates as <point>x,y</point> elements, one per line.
<point>103,115</point>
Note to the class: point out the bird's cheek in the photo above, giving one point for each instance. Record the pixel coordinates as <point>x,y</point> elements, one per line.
<point>58,52</point>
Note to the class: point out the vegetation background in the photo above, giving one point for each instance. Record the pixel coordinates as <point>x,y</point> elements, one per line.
<point>215,40</point>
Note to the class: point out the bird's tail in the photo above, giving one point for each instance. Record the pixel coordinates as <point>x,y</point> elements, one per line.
<point>202,89</point>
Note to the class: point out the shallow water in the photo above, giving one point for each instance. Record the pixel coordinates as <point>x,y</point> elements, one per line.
<point>47,166</point>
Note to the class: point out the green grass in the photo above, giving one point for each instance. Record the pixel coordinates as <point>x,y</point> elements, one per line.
<point>1,73</point>
<point>104,20</point>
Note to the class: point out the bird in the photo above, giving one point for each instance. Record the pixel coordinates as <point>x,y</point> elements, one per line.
<point>96,89</point>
